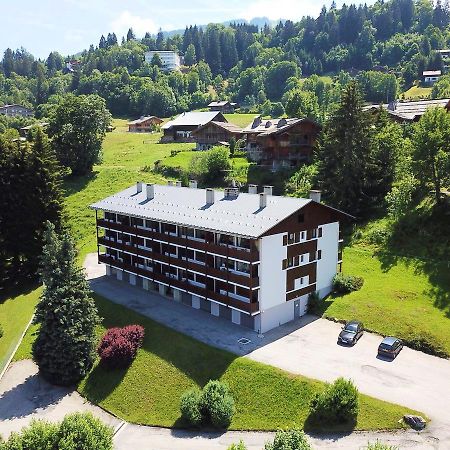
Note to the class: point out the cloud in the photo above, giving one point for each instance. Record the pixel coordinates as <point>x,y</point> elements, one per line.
<point>126,20</point>
<point>282,9</point>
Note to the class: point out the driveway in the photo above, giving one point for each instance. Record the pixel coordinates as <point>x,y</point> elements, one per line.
<point>306,346</point>
<point>24,396</point>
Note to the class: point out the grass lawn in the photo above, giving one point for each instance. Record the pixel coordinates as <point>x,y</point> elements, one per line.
<point>397,298</point>
<point>417,92</point>
<point>15,313</point>
<point>170,362</point>
<point>240,119</point>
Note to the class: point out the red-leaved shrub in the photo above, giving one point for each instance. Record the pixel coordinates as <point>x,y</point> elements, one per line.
<point>119,346</point>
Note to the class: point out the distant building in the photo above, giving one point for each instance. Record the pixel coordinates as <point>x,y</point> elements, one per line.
<point>431,76</point>
<point>409,111</point>
<point>216,133</point>
<point>250,258</point>
<point>224,107</point>
<point>144,124</point>
<point>180,129</point>
<point>170,60</point>
<point>280,143</point>
<point>24,131</point>
<point>16,110</point>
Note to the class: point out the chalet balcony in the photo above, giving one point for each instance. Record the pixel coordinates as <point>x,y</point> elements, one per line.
<point>182,284</point>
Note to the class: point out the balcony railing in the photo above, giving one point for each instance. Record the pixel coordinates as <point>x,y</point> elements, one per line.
<point>183,285</point>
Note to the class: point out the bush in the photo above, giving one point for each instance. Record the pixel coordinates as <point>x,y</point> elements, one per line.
<point>214,405</point>
<point>338,403</point>
<point>83,431</point>
<point>289,440</point>
<point>79,431</point>
<point>343,284</point>
<point>427,343</point>
<point>118,346</point>
<point>190,407</point>
<point>316,305</point>
<point>239,446</point>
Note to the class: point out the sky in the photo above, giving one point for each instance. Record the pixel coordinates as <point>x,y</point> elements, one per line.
<point>70,26</point>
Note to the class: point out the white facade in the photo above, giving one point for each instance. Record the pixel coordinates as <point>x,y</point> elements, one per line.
<point>170,60</point>
<point>328,245</point>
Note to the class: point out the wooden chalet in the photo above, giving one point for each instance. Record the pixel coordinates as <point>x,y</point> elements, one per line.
<point>216,133</point>
<point>281,143</point>
<point>223,106</point>
<point>145,124</point>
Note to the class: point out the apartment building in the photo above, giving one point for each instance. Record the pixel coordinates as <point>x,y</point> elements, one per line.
<point>16,110</point>
<point>170,60</point>
<point>252,258</point>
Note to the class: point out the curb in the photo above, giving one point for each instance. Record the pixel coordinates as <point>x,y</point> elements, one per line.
<point>8,362</point>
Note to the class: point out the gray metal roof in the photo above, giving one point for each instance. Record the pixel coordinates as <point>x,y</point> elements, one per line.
<point>143,119</point>
<point>192,118</point>
<point>187,206</point>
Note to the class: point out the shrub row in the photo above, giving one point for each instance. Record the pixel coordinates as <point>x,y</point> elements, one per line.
<point>284,440</point>
<point>118,346</point>
<point>214,405</point>
<point>343,284</point>
<point>78,431</point>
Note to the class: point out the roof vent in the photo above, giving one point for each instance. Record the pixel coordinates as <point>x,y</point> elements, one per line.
<point>150,190</point>
<point>209,196</point>
<point>170,183</point>
<point>268,190</point>
<point>256,122</point>
<point>231,192</point>
<point>193,184</point>
<point>268,124</point>
<point>252,188</point>
<point>178,184</point>
<point>281,123</point>
<point>315,196</point>
<point>139,187</point>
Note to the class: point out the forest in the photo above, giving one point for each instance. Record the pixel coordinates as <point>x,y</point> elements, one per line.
<point>294,68</point>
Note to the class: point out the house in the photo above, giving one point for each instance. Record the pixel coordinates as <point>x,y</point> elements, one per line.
<point>431,76</point>
<point>180,129</point>
<point>145,124</point>
<point>252,258</point>
<point>216,133</point>
<point>16,110</point>
<point>224,107</point>
<point>170,60</point>
<point>280,143</point>
<point>24,131</point>
<point>407,112</point>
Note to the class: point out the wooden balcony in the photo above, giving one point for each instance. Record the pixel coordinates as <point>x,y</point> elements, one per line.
<point>247,255</point>
<point>300,292</point>
<point>183,285</point>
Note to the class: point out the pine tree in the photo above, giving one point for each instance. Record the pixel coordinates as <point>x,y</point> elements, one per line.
<point>189,57</point>
<point>65,346</point>
<point>130,35</point>
<point>344,155</point>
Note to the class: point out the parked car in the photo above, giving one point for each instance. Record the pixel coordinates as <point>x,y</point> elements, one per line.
<point>390,346</point>
<point>351,333</point>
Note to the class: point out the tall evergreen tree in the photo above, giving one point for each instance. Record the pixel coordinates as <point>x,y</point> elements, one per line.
<point>64,349</point>
<point>344,155</point>
<point>130,35</point>
<point>189,57</point>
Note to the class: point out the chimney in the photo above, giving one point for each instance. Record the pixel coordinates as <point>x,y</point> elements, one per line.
<point>178,183</point>
<point>315,196</point>
<point>150,191</point>
<point>193,184</point>
<point>138,187</point>
<point>252,188</point>
<point>262,200</point>
<point>268,190</point>
<point>170,183</point>
<point>209,196</point>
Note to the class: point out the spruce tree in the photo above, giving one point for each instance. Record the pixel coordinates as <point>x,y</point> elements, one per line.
<point>344,155</point>
<point>65,346</point>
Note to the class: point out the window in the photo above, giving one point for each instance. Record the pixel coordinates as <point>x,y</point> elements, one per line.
<point>313,233</point>
<point>319,254</point>
<point>285,240</point>
<point>138,222</point>
<point>301,218</point>
<point>320,232</point>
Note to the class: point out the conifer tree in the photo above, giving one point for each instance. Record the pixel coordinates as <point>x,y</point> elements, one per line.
<point>344,155</point>
<point>65,346</point>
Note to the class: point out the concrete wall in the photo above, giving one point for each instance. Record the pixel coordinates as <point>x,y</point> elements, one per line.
<point>327,265</point>
<point>276,316</point>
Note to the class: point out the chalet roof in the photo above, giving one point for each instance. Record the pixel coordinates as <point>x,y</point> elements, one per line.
<point>410,110</point>
<point>239,215</point>
<point>143,119</point>
<point>29,127</point>
<point>231,127</point>
<point>14,104</point>
<point>432,73</point>
<point>266,127</point>
<point>219,103</point>
<point>192,118</point>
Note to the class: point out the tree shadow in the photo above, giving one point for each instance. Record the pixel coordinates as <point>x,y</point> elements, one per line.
<point>30,396</point>
<point>74,184</point>
<point>21,284</point>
